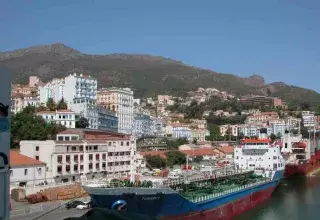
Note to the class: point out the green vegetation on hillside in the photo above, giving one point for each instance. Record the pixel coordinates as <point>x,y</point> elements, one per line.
<point>147,75</point>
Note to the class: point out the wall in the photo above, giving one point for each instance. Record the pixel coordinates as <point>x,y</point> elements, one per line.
<point>36,174</point>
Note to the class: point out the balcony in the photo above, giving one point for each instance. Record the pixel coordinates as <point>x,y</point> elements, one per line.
<point>59,161</point>
<point>76,161</point>
<point>68,161</point>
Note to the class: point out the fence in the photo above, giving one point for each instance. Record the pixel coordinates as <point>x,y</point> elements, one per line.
<point>42,207</point>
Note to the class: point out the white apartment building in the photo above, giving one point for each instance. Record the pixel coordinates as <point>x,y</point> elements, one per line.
<point>66,117</point>
<point>26,171</point>
<point>83,152</point>
<point>119,100</point>
<point>80,86</point>
<point>309,119</point>
<point>86,108</point>
<point>252,130</point>
<point>232,128</point>
<point>54,89</point>
<point>71,87</point>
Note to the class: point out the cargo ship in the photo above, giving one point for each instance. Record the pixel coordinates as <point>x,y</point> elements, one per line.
<point>301,158</point>
<point>215,195</point>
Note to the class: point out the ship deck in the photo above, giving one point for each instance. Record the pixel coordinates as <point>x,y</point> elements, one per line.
<point>207,190</point>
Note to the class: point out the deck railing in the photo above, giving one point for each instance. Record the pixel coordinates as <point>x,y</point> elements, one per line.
<point>226,192</point>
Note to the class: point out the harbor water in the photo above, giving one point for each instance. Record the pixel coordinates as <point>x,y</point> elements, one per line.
<point>297,198</point>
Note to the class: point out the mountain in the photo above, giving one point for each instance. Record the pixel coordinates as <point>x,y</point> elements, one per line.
<point>147,75</point>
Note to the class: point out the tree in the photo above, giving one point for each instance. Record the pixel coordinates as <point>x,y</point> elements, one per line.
<point>51,105</point>
<point>26,125</point>
<point>175,157</point>
<point>62,104</point>
<point>194,141</point>
<point>273,137</point>
<point>279,135</point>
<point>82,123</point>
<point>155,161</point>
<point>41,108</point>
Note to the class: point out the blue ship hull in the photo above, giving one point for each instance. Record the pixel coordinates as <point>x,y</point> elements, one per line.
<point>168,204</point>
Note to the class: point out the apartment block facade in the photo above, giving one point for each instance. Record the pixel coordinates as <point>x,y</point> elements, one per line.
<point>83,152</point>
<point>66,118</point>
<point>119,100</point>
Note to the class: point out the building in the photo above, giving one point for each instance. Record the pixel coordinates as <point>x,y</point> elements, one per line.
<point>258,100</point>
<point>145,125</point>
<point>55,89</point>
<point>279,129</point>
<point>181,131</point>
<point>80,87</point>
<point>229,129</point>
<point>199,135</point>
<point>252,130</point>
<point>119,100</point>
<point>205,153</point>
<point>22,96</point>
<point>262,117</point>
<point>309,119</point>
<point>152,143</point>
<point>66,117</point>
<point>26,171</point>
<point>34,81</point>
<point>71,87</point>
<point>224,152</point>
<point>107,120</point>
<point>87,108</point>
<point>24,90</point>
<point>165,100</point>
<point>83,152</point>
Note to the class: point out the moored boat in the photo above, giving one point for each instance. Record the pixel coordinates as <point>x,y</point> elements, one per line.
<point>218,194</point>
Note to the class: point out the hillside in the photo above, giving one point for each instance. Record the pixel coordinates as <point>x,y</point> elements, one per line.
<point>147,75</point>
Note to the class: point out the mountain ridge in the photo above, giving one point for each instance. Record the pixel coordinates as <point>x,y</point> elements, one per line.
<point>147,74</point>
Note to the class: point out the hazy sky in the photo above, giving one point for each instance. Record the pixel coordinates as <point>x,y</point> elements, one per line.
<point>276,39</point>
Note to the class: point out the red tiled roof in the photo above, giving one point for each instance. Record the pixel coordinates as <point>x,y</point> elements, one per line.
<point>154,153</point>
<point>226,149</point>
<point>200,152</point>
<point>17,159</point>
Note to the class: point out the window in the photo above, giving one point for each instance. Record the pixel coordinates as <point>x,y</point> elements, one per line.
<point>60,138</point>
<point>74,138</point>
<point>39,171</point>
<point>67,138</point>
<point>37,148</point>
<point>37,157</point>
<point>74,148</point>
<point>25,172</point>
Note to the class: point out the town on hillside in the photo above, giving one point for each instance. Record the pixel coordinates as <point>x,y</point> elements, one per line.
<point>67,130</point>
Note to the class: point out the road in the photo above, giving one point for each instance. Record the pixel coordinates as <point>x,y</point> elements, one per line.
<point>55,215</point>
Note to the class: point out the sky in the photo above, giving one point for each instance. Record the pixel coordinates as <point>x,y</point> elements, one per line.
<point>276,39</point>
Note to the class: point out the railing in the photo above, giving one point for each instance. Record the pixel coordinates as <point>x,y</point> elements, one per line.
<point>215,174</point>
<point>226,192</point>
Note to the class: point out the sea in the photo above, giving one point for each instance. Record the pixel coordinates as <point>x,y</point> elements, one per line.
<point>297,198</point>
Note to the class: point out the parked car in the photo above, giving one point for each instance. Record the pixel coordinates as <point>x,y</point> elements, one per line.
<point>85,205</point>
<point>74,204</point>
